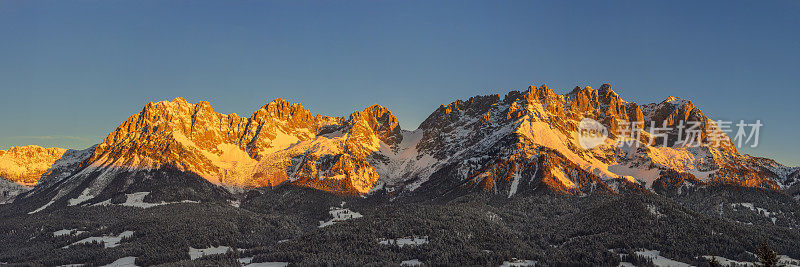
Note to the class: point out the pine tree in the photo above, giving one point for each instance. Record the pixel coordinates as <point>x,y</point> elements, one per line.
<point>767,256</point>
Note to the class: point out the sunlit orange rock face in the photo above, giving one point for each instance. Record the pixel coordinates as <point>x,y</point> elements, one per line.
<point>230,150</point>
<point>336,160</point>
<point>25,165</point>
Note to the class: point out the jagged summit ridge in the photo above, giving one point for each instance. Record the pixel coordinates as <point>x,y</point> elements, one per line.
<point>225,148</point>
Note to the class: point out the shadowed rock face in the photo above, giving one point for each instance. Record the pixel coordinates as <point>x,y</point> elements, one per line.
<point>673,111</point>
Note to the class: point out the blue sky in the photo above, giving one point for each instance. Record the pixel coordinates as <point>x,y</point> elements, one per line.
<point>71,71</point>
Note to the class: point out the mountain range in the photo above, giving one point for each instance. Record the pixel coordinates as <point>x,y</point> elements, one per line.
<point>523,141</point>
<point>517,145</point>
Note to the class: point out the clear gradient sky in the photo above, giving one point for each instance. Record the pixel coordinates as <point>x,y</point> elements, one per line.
<point>72,71</point>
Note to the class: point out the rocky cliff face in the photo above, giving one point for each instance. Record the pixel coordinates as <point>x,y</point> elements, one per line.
<point>336,159</point>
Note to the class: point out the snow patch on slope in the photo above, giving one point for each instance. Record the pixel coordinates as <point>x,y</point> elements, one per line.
<point>108,241</point>
<point>43,207</point>
<point>405,241</point>
<point>515,183</point>
<point>339,214</point>
<point>642,175</point>
<point>516,262</point>
<point>196,253</point>
<point>659,260</point>
<point>67,232</point>
<point>137,200</point>
<point>123,262</point>
<point>782,259</point>
<point>85,195</point>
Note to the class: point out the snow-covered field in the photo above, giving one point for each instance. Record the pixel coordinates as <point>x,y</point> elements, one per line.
<point>82,198</point>
<point>782,259</point>
<point>658,260</point>
<point>405,241</point>
<point>411,262</point>
<point>123,262</point>
<point>268,264</point>
<point>653,255</point>
<point>67,232</point>
<point>137,200</point>
<point>245,260</point>
<point>195,253</point>
<point>726,262</point>
<point>340,214</point>
<point>518,263</point>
